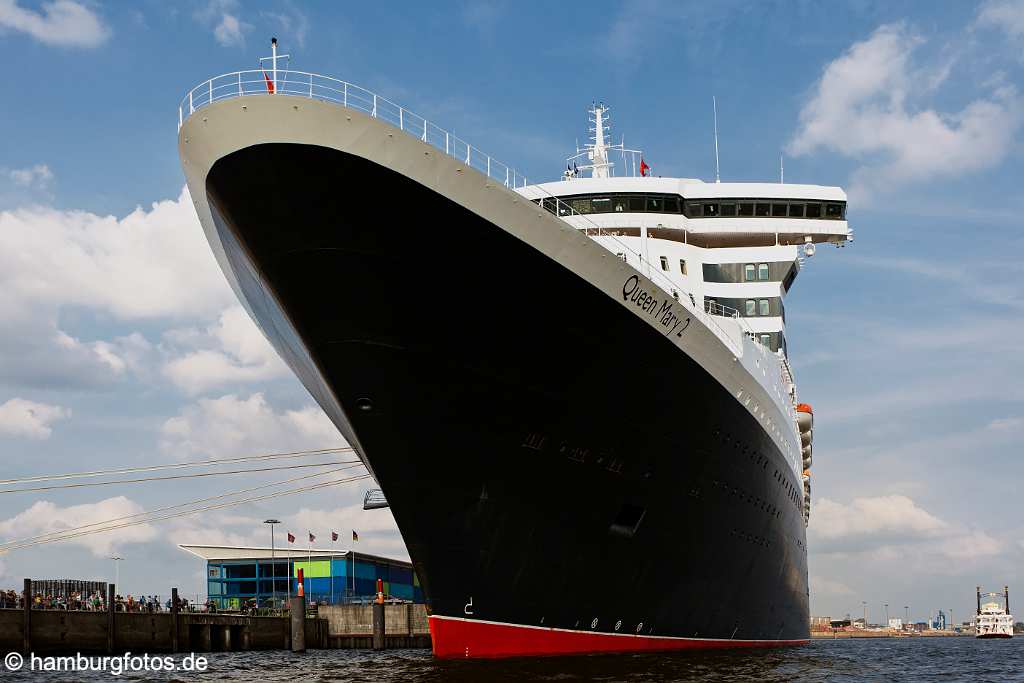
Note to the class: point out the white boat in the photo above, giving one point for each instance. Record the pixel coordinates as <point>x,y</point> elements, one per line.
<point>994,620</point>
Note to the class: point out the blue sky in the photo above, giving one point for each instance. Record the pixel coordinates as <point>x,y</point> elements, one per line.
<point>122,344</point>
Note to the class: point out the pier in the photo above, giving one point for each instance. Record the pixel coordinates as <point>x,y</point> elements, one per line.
<point>58,631</point>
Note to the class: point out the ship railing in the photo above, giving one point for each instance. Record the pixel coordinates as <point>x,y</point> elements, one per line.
<point>257,82</point>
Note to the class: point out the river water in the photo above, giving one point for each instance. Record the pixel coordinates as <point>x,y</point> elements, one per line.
<point>879,659</point>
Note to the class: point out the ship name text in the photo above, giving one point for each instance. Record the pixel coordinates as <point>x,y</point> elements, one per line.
<point>663,311</point>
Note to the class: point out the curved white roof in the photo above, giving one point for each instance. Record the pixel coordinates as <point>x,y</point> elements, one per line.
<point>689,188</point>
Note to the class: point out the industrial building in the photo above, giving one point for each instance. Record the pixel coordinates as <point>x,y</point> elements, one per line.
<point>236,574</point>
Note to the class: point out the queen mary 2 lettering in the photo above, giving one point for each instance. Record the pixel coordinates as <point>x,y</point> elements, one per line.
<point>553,499</point>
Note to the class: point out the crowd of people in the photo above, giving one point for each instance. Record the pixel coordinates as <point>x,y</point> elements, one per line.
<point>95,602</point>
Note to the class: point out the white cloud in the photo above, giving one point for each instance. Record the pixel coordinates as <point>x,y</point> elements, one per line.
<point>222,15</point>
<point>889,515</point>
<point>1005,15</point>
<point>230,425</point>
<point>830,587</point>
<point>863,108</point>
<point>44,517</point>
<point>38,176</point>
<point>149,265</point>
<point>146,265</point>
<point>292,23</point>
<point>235,351</point>
<point>20,417</point>
<point>63,23</point>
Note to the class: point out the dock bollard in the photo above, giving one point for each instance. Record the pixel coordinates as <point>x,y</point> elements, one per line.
<point>378,617</point>
<point>297,611</point>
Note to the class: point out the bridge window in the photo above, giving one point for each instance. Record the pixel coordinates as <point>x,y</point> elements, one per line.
<point>763,308</point>
<point>762,272</point>
<point>748,272</point>
<point>766,339</point>
<point>706,208</point>
<point>664,263</point>
<point>682,266</point>
<point>750,308</point>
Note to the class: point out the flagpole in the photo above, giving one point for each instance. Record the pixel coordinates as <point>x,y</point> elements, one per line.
<point>309,553</point>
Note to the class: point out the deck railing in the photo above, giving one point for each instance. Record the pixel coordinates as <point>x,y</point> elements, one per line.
<point>327,89</point>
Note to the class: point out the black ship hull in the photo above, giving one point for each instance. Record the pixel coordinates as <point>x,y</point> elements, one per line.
<point>564,477</point>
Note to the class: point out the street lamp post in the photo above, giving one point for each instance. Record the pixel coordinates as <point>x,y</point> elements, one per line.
<point>865,603</point>
<point>886,615</point>
<point>117,572</point>
<point>906,615</point>
<point>273,564</point>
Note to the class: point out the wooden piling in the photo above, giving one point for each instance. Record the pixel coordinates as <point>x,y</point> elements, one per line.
<point>26,643</point>
<point>111,591</point>
<point>174,620</point>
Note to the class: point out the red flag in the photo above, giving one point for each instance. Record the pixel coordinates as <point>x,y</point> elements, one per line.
<point>355,536</point>
<point>311,537</point>
<point>270,83</point>
<point>644,168</point>
<point>334,535</point>
<point>291,538</point>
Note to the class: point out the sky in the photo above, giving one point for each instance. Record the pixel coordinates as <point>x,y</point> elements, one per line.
<point>121,344</point>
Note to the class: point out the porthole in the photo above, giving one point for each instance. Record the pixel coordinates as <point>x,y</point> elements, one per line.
<point>593,624</point>
<point>618,624</point>
<point>639,627</point>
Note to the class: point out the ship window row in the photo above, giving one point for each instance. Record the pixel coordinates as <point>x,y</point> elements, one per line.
<point>665,265</point>
<point>766,307</point>
<point>771,271</point>
<point>765,208</point>
<point>707,208</point>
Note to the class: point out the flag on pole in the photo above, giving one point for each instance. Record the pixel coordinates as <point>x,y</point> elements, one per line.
<point>644,168</point>
<point>291,537</point>
<point>270,83</point>
<point>311,537</point>
<point>355,536</point>
<point>334,535</point>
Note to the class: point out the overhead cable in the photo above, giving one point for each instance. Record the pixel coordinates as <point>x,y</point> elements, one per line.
<point>177,465</point>
<point>197,501</point>
<point>177,476</point>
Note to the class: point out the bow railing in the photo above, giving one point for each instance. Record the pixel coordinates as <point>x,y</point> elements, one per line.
<point>327,89</point>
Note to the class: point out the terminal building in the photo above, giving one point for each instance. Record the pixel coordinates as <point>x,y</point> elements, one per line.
<point>235,575</point>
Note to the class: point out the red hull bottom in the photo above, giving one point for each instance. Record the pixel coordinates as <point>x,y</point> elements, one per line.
<point>465,638</point>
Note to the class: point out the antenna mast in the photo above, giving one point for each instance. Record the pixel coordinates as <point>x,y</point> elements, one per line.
<point>595,154</point>
<point>714,104</point>
<point>782,171</point>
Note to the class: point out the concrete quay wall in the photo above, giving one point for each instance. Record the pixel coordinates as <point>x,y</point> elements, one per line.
<point>69,632</point>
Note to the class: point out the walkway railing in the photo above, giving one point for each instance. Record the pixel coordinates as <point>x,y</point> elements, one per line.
<point>327,89</point>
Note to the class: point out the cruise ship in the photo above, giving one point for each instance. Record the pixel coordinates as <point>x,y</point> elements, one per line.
<point>575,395</point>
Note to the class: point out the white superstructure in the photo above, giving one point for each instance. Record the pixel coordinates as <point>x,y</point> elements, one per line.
<point>731,250</point>
<point>994,620</point>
